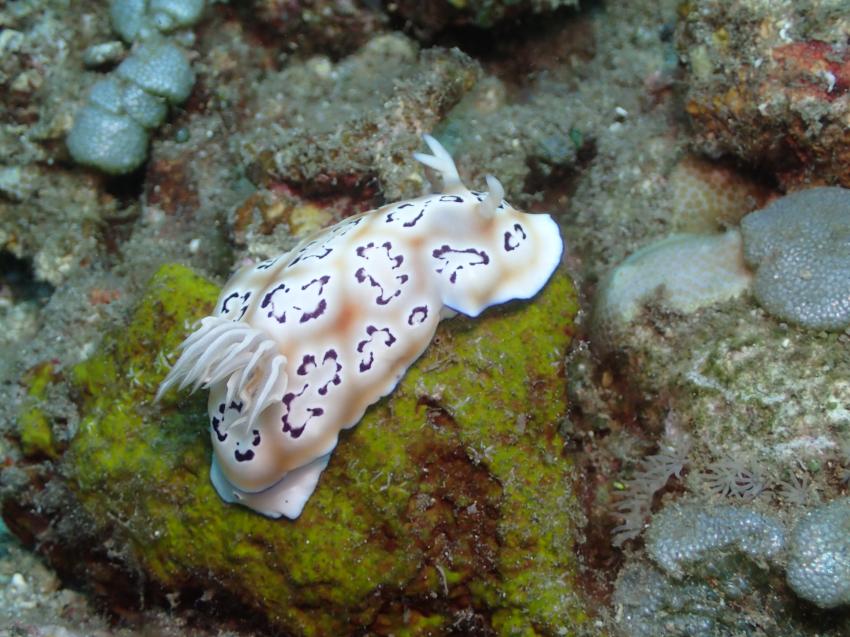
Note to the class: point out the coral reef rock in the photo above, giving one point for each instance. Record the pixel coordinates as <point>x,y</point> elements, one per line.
<point>767,82</point>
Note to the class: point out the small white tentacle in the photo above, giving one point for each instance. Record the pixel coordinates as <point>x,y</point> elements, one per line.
<point>223,349</point>
<point>495,194</point>
<point>232,387</point>
<point>210,328</point>
<point>258,356</point>
<point>441,161</point>
<point>214,354</point>
<point>207,333</point>
<point>227,367</point>
<point>270,393</point>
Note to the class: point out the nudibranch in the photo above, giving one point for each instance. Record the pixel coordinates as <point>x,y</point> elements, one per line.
<point>300,345</point>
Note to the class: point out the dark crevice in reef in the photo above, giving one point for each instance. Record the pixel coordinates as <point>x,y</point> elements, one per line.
<point>127,189</point>
<point>759,175</point>
<point>516,49</point>
<point>115,582</point>
<point>18,280</point>
<point>555,183</point>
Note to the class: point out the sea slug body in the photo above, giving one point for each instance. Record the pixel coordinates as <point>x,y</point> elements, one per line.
<point>300,345</point>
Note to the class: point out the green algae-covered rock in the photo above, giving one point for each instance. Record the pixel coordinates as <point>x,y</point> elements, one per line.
<point>36,435</point>
<point>450,506</point>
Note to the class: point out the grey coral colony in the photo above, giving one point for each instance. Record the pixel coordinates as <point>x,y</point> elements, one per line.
<point>112,130</point>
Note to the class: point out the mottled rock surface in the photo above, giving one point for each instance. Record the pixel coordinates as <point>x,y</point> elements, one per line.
<point>768,82</point>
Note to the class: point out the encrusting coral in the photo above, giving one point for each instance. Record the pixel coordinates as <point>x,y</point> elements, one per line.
<point>682,273</point>
<point>737,556</point>
<point>800,248</point>
<point>819,555</point>
<point>707,197</point>
<point>682,535</point>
